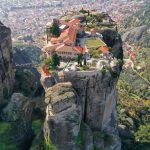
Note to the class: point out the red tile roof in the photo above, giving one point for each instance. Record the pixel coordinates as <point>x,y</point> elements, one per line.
<point>64,34</point>
<point>104,49</point>
<point>72,34</point>
<point>63,22</point>
<point>74,21</point>
<point>80,49</point>
<point>45,71</point>
<point>66,48</point>
<point>59,47</point>
<point>54,40</point>
<point>70,23</point>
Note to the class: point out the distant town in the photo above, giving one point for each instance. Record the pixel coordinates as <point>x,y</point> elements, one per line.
<point>27,18</point>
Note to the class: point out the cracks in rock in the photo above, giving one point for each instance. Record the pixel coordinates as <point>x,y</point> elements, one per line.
<point>86,98</point>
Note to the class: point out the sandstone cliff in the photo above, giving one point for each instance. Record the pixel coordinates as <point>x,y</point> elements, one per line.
<point>6,71</point>
<point>81,111</point>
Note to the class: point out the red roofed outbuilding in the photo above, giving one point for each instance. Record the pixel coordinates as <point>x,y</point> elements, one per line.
<point>104,49</point>
<point>45,71</point>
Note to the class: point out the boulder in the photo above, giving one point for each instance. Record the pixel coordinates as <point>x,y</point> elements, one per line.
<point>130,121</point>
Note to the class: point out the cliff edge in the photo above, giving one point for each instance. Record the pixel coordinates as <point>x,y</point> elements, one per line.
<point>6,71</point>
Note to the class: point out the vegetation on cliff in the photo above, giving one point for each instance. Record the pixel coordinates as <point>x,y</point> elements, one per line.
<point>134,102</point>
<point>6,132</point>
<point>134,116</point>
<point>134,84</point>
<point>25,53</point>
<point>133,23</point>
<point>52,62</point>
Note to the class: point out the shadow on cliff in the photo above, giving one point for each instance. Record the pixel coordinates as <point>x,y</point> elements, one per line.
<point>113,40</point>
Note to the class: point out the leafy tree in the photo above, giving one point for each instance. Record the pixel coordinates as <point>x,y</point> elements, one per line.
<point>48,62</point>
<point>52,62</point>
<point>83,11</point>
<point>143,134</point>
<point>55,29</point>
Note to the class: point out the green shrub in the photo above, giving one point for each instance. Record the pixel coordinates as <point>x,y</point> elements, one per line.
<point>98,135</point>
<point>4,146</point>
<point>37,126</point>
<point>105,69</point>
<point>4,127</point>
<point>52,62</point>
<point>143,134</point>
<point>5,137</point>
<point>85,67</point>
<point>102,136</point>
<point>92,148</point>
<point>95,53</point>
<point>48,145</point>
<point>80,140</point>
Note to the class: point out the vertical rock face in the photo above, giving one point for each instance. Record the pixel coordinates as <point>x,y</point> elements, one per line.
<point>6,71</point>
<point>98,96</point>
<point>63,115</point>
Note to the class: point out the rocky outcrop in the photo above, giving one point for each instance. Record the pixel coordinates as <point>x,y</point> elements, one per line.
<point>48,81</point>
<point>98,100</point>
<point>63,115</point>
<point>6,70</point>
<point>19,112</point>
<point>81,110</point>
<point>135,34</point>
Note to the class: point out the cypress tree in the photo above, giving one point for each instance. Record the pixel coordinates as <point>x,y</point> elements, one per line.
<point>55,29</point>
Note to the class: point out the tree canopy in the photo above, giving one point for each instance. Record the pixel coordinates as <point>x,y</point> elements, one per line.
<point>52,62</point>
<point>55,29</point>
